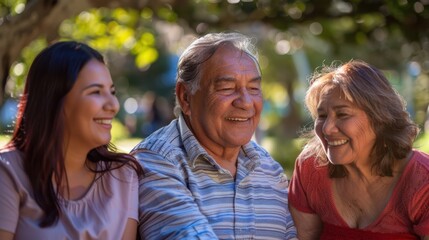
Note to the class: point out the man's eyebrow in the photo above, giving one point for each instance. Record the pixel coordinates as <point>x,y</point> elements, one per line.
<point>224,79</point>
<point>232,79</point>
<point>256,79</point>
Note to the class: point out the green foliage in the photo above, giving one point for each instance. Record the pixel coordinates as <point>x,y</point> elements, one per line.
<point>107,30</point>
<point>119,131</point>
<point>421,98</point>
<point>4,139</point>
<point>115,30</point>
<point>19,69</point>
<point>285,151</point>
<point>422,143</point>
<point>144,50</point>
<point>11,7</point>
<point>167,14</point>
<point>380,32</point>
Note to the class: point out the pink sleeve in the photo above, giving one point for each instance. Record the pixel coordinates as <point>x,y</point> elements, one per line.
<point>297,191</point>
<point>9,197</point>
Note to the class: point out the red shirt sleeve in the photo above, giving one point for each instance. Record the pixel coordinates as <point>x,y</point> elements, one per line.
<point>418,183</point>
<point>298,186</point>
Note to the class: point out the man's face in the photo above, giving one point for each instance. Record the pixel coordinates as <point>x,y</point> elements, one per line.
<point>225,110</point>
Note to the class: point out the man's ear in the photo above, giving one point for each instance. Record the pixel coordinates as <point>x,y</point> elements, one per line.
<point>183,96</point>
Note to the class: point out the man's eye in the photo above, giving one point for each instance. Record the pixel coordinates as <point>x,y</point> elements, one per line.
<point>227,89</point>
<point>255,90</point>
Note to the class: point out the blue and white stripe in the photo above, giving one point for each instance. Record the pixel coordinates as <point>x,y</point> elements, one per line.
<point>185,194</point>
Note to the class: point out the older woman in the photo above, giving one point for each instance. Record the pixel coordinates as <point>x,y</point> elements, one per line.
<point>358,176</point>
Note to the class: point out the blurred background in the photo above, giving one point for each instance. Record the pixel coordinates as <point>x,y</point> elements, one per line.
<point>143,39</point>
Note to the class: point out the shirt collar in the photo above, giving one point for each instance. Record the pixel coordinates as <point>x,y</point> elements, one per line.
<point>249,157</point>
<point>192,146</point>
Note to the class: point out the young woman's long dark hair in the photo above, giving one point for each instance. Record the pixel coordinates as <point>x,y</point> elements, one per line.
<point>39,129</point>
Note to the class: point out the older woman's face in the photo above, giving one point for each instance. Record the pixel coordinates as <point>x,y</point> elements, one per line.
<point>344,130</point>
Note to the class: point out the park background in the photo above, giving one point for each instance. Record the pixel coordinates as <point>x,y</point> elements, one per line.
<point>143,39</point>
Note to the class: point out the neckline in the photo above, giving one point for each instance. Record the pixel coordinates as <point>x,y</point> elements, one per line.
<point>389,204</point>
<point>87,194</point>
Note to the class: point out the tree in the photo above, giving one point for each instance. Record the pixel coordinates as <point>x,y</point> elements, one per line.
<point>41,19</point>
<point>363,20</point>
<point>389,34</point>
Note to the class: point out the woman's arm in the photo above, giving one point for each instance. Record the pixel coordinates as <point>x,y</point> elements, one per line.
<point>130,230</point>
<point>309,226</point>
<point>5,235</point>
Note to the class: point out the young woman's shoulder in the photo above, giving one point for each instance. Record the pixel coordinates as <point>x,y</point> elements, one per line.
<point>123,171</point>
<point>11,157</point>
<point>8,150</point>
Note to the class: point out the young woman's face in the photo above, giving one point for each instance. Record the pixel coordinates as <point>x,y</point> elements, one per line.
<point>90,107</point>
<point>344,130</point>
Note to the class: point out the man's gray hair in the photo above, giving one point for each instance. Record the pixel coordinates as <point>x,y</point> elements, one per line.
<point>191,61</point>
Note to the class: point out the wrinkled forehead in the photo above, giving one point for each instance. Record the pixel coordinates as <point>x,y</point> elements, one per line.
<point>229,58</point>
<point>235,52</point>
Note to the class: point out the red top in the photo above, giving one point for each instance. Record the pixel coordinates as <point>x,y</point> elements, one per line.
<point>406,214</point>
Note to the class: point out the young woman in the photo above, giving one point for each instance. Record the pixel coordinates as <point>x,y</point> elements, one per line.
<point>60,178</point>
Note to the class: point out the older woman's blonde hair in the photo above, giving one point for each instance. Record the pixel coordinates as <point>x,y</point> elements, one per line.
<point>367,88</point>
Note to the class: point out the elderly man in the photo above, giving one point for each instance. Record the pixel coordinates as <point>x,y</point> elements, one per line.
<point>204,177</point>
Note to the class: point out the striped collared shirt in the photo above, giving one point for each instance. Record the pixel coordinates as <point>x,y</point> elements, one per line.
<point>185,194</point>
